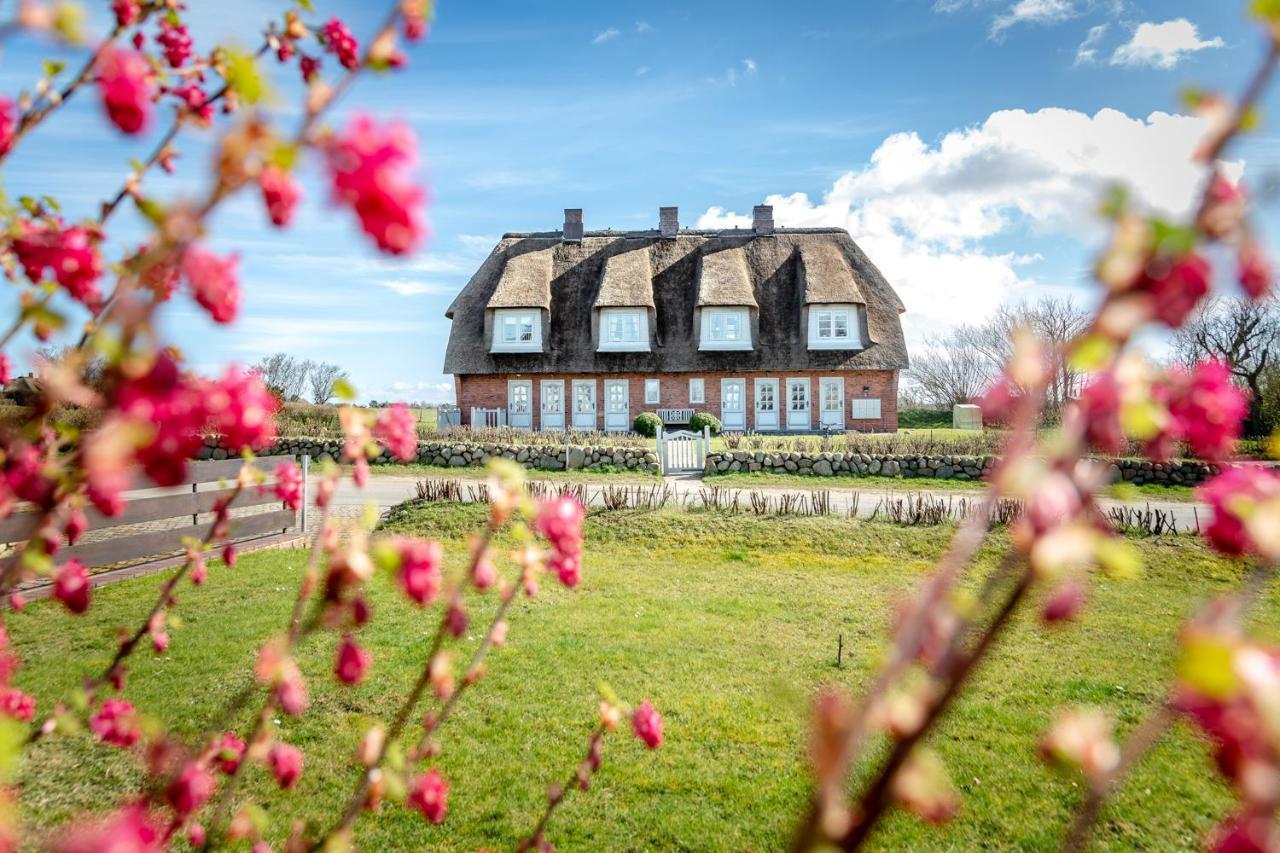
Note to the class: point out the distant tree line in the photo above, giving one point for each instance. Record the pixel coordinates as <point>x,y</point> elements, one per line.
<point>289,377</point>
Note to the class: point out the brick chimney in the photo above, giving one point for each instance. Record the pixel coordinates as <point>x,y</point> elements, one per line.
<point>668,222</point>
<point>572,232</point>
<point>762,220</point>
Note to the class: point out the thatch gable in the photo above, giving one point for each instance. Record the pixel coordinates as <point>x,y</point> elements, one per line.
<point>827,275</point>
<point>525,281</point>
<point>627,280</point>
<point>775,285</point>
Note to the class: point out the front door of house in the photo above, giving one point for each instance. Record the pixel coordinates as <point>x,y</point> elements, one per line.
<point>552,393</point>
<point>766,404</point>
<point>733,404</point>
<point>797,404</point>
<point>584,404</point>
<point>617,405</point>
<point>831,397</point>
<point>520,403</point>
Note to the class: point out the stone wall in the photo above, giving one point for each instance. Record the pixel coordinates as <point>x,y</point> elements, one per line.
<point>1134,471</point>
<point>461,454</point>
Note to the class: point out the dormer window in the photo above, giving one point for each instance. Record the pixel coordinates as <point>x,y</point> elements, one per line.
<point>624,330</point>
<point>725,329</point>
<point>834,327</point>
<point>517,330</point>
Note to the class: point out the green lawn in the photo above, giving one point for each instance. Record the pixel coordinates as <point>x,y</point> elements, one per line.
<point>595,475</point>
<point>727,624</point>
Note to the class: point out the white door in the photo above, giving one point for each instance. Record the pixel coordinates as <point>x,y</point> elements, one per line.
<point>617,405</point>
<point>584,404</point>
<point>766,404</point>
<point>733,404</point>
<point>552,393</point>
<point>797,404</point>
<point>520,403</point>
<point>831,397</point>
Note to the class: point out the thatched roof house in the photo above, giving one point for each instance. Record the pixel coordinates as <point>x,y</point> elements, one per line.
<point>679,319</point>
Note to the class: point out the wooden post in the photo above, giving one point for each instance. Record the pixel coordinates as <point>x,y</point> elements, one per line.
<point>839,650</point>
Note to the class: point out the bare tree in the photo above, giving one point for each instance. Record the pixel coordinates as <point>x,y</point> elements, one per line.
<point>323,377</point>
<point>1242,334</point>
<point>284,373</point>
<point>951,370</point>
<point>91,370</point>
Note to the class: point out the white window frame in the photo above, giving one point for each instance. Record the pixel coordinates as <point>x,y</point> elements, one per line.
<point>638,343</point>
<point>501,316</point>
<point>714,325</point>
<point>700,397</point>
<point>830,314</point>
<point>652,392</point>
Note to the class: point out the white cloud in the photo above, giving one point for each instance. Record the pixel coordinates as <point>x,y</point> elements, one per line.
<point>643,27</point>
<point>604,35</point>
<point>731,76</point>
<point>929,215</point>
<point>749,66</point>
<point>1087,52</point>
<point>409,287</point>
<point>643,70</point>
<point>1162,45</point>
<point>1033,12</point>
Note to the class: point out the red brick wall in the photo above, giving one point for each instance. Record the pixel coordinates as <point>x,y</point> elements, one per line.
<point>490,392</point>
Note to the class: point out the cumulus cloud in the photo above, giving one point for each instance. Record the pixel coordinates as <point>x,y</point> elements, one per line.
<point>604,35</point>
<point>1087,52</point>
<point>929,215</point>
<point>1033,12</point>
<point>1162,45</point>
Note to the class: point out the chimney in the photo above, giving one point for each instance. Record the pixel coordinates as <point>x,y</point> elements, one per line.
<point>668,222</point>
<point>572,232</point>
<point>762,220</point>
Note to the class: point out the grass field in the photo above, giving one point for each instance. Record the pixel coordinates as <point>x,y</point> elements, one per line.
<point>727,624</point>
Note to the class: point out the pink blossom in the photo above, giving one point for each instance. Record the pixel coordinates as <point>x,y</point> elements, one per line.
<point>1208,409</point>
<point>998,401</point>
<point>191,789</point>
<point>196,101</point>
<point>14,703</point>
<point>199,571</point>
<point>70,254</point>
<point>242,409</point>
<point>485,574</point>
<point>370,167</point>
<point>280,193</point>
<point>26,475</point>
<point>286,764</point>
<point>126,12</point>
<point>229,555</point>
<point>172,406</point>
<point>228,751</point>
<point>1064,602</point>
<point>1176,287</point>
<point>567,566</point>
<point>1256,273</point>
<point>456,618</point>
<point>116,723</point>
<point>6,370</point>
<point>213,282</point>
<point>339,41</point>
<point>429,794</point>
<point>133,829</point>
<point>8,124</point>
<point>291,694</point>
<point>71,586</point>
<point>124,81</point>
<point>352,661</point>
<point>309,66</point>
<point>397,430</point>
<point>175,41</point>
<point>1230,494</point>
<point>560,521</point>
<point>75,526</point>
<point>420,568</point>
<point>288,486</point>
<point>646,722</point>
<point>1099,409</point>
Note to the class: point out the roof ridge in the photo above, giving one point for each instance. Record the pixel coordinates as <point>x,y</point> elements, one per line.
<point>683,232</point>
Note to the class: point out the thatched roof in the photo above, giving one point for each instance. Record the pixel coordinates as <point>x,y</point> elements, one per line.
<point>723,279</point>
<point>525,281</point>
<point>827,275</point>
<point>627,281</point>
<point>771,274</point>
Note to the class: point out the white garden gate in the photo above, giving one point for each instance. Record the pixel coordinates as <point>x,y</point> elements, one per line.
<point>683,450</point>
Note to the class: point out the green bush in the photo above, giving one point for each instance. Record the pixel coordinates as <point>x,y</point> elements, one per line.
<point>701,419</point>
<point>923,419</point>
<point>647,424</point>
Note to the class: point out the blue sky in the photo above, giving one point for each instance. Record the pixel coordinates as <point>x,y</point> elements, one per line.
<point>962,142</point>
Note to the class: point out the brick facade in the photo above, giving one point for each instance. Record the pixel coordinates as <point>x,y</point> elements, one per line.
<point>490,392</point>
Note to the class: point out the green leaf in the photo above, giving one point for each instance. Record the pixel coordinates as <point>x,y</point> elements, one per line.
<point>1173,239</point>
<point>1206,665</point>
<point>343,390</point>
<point>1115,202</point>
<point>1265,10</point>
<point>306,4</point>
<point>243,77</point>
<point>53,67</point>
<point>151,209</point>
<point>29,204</point>
<point>1092,353</point>
<point>137,165</point>
<point>284,156</point>
<point>51,203</point>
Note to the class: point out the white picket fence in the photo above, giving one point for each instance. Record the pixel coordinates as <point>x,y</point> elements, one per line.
<point>481,418</point>
<point>683,450</point>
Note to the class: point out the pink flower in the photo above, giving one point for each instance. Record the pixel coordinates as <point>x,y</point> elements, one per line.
<point>71,586</point>
<point>397,430</point>
<point>1255,270</point>
<point>126,12</point>
<point>369,166</point>
<point>1230,495</point>
<point>429,794</point>
<point>1208,410</point>
<point>191,789</point>
<point>1065,602</point>
<point>339,41</point>
<point>1176,287</point>
<point>175,41</point>
<point>560,521</point>
<point>286,764</point>
<point>228,751</point>
<point>171,405</point>
<point>484,575</point>
<point>288,487</point>
<point>309,66</point>
<point>567,566</point>
<point>75,526</point>
<point>1099,408</point>
<point>196,101</point>
<point>420,563</point>
<point>998,401</point>
<point>8,124</point>
<point>116,723</point>
<point>352,662</point>
<point>124,81</point>
<point>14,703</point>
<point>242,409</point>
<point>646,722</point>
<point>280,193</point>
<point>456,618</point>
<point>213,282</point>
<point>133,829</point>
<point>291,693</point>
<point>70,254</point>
<point>6,370</point>
<point>26,476</point>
